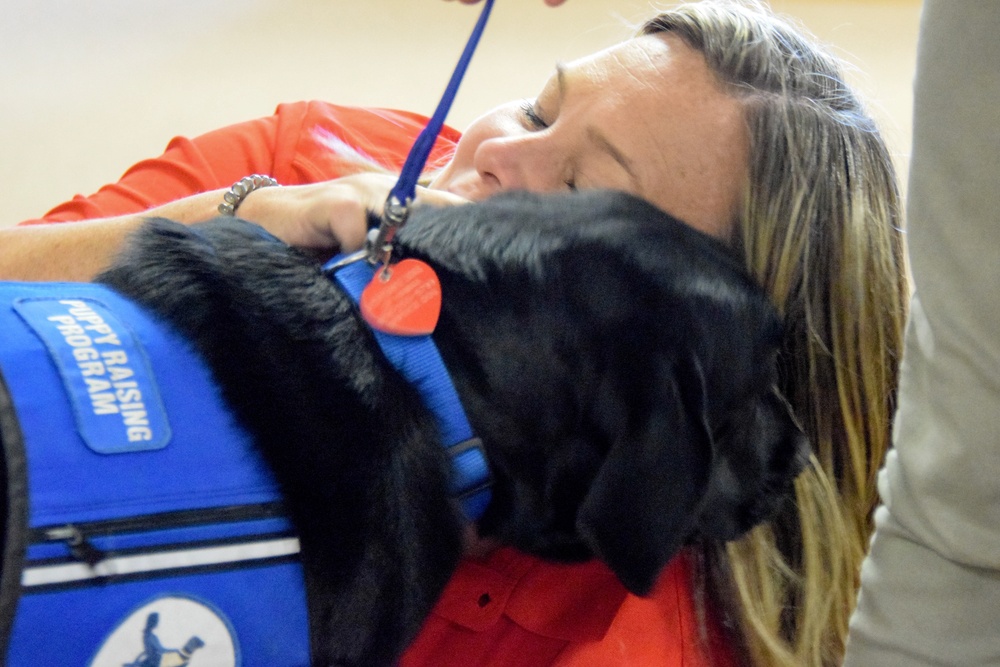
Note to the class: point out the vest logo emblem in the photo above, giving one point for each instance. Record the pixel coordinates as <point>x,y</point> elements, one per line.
<point>105,372</point>
<point>171,631</point>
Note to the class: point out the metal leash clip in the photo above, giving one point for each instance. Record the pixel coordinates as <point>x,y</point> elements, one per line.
<point>378,244</point>
<point>394,216</point>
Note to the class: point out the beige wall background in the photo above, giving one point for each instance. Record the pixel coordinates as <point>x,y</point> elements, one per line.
<point>88,88</point>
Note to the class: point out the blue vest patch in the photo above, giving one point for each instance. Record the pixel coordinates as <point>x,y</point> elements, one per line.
<point>104,370</point>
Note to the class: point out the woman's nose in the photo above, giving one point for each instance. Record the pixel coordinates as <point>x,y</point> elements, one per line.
<point>515,162</point>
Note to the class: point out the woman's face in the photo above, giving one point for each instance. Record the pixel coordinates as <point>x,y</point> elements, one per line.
<point>646,116</point>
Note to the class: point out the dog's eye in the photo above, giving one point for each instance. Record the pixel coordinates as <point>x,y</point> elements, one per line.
<point>531,118</point>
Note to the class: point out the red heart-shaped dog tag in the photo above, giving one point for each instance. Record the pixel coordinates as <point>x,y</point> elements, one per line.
<point>405,300</point>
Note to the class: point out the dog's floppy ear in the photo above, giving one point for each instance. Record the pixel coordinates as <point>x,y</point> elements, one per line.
<point>644,501</point>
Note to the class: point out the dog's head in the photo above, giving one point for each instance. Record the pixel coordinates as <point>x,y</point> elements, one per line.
<point>620,368</point>
<point>689,470</point>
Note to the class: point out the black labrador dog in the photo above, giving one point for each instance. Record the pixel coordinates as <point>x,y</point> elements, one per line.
<point>618,366</point>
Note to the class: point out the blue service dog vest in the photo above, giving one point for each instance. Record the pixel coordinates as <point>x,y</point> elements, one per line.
<point>142,528</point>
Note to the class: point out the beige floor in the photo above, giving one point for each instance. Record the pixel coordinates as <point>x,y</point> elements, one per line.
<point>88,88</point>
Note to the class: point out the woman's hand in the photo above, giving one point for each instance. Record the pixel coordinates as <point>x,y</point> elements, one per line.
<point>331,216</point>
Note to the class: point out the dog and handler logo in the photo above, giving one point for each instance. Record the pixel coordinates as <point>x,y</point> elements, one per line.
<point>171,631</point>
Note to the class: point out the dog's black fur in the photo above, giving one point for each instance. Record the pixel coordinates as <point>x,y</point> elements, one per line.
<point>618,365</point>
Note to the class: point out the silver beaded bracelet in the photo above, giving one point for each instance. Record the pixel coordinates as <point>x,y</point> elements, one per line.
<point>241,188</point>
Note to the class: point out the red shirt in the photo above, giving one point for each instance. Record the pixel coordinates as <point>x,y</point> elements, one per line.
<point>303,142</point>
<point>514,610</point>
<point>509,609</point>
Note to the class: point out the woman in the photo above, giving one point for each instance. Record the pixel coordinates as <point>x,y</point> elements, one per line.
<point>729,119</point>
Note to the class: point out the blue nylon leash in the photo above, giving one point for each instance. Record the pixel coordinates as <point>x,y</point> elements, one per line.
<point>416,357</point>
<point>397,206</point>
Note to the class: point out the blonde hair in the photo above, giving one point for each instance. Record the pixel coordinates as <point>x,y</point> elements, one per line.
<point>820,230</point>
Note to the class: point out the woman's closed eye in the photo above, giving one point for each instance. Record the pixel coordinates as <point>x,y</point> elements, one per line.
<point>532,120</point>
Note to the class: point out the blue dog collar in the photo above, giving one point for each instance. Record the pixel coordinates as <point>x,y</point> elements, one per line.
<point>418,359</point>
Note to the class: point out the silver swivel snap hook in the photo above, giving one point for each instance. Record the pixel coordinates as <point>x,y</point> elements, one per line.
<point>394,216</point>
